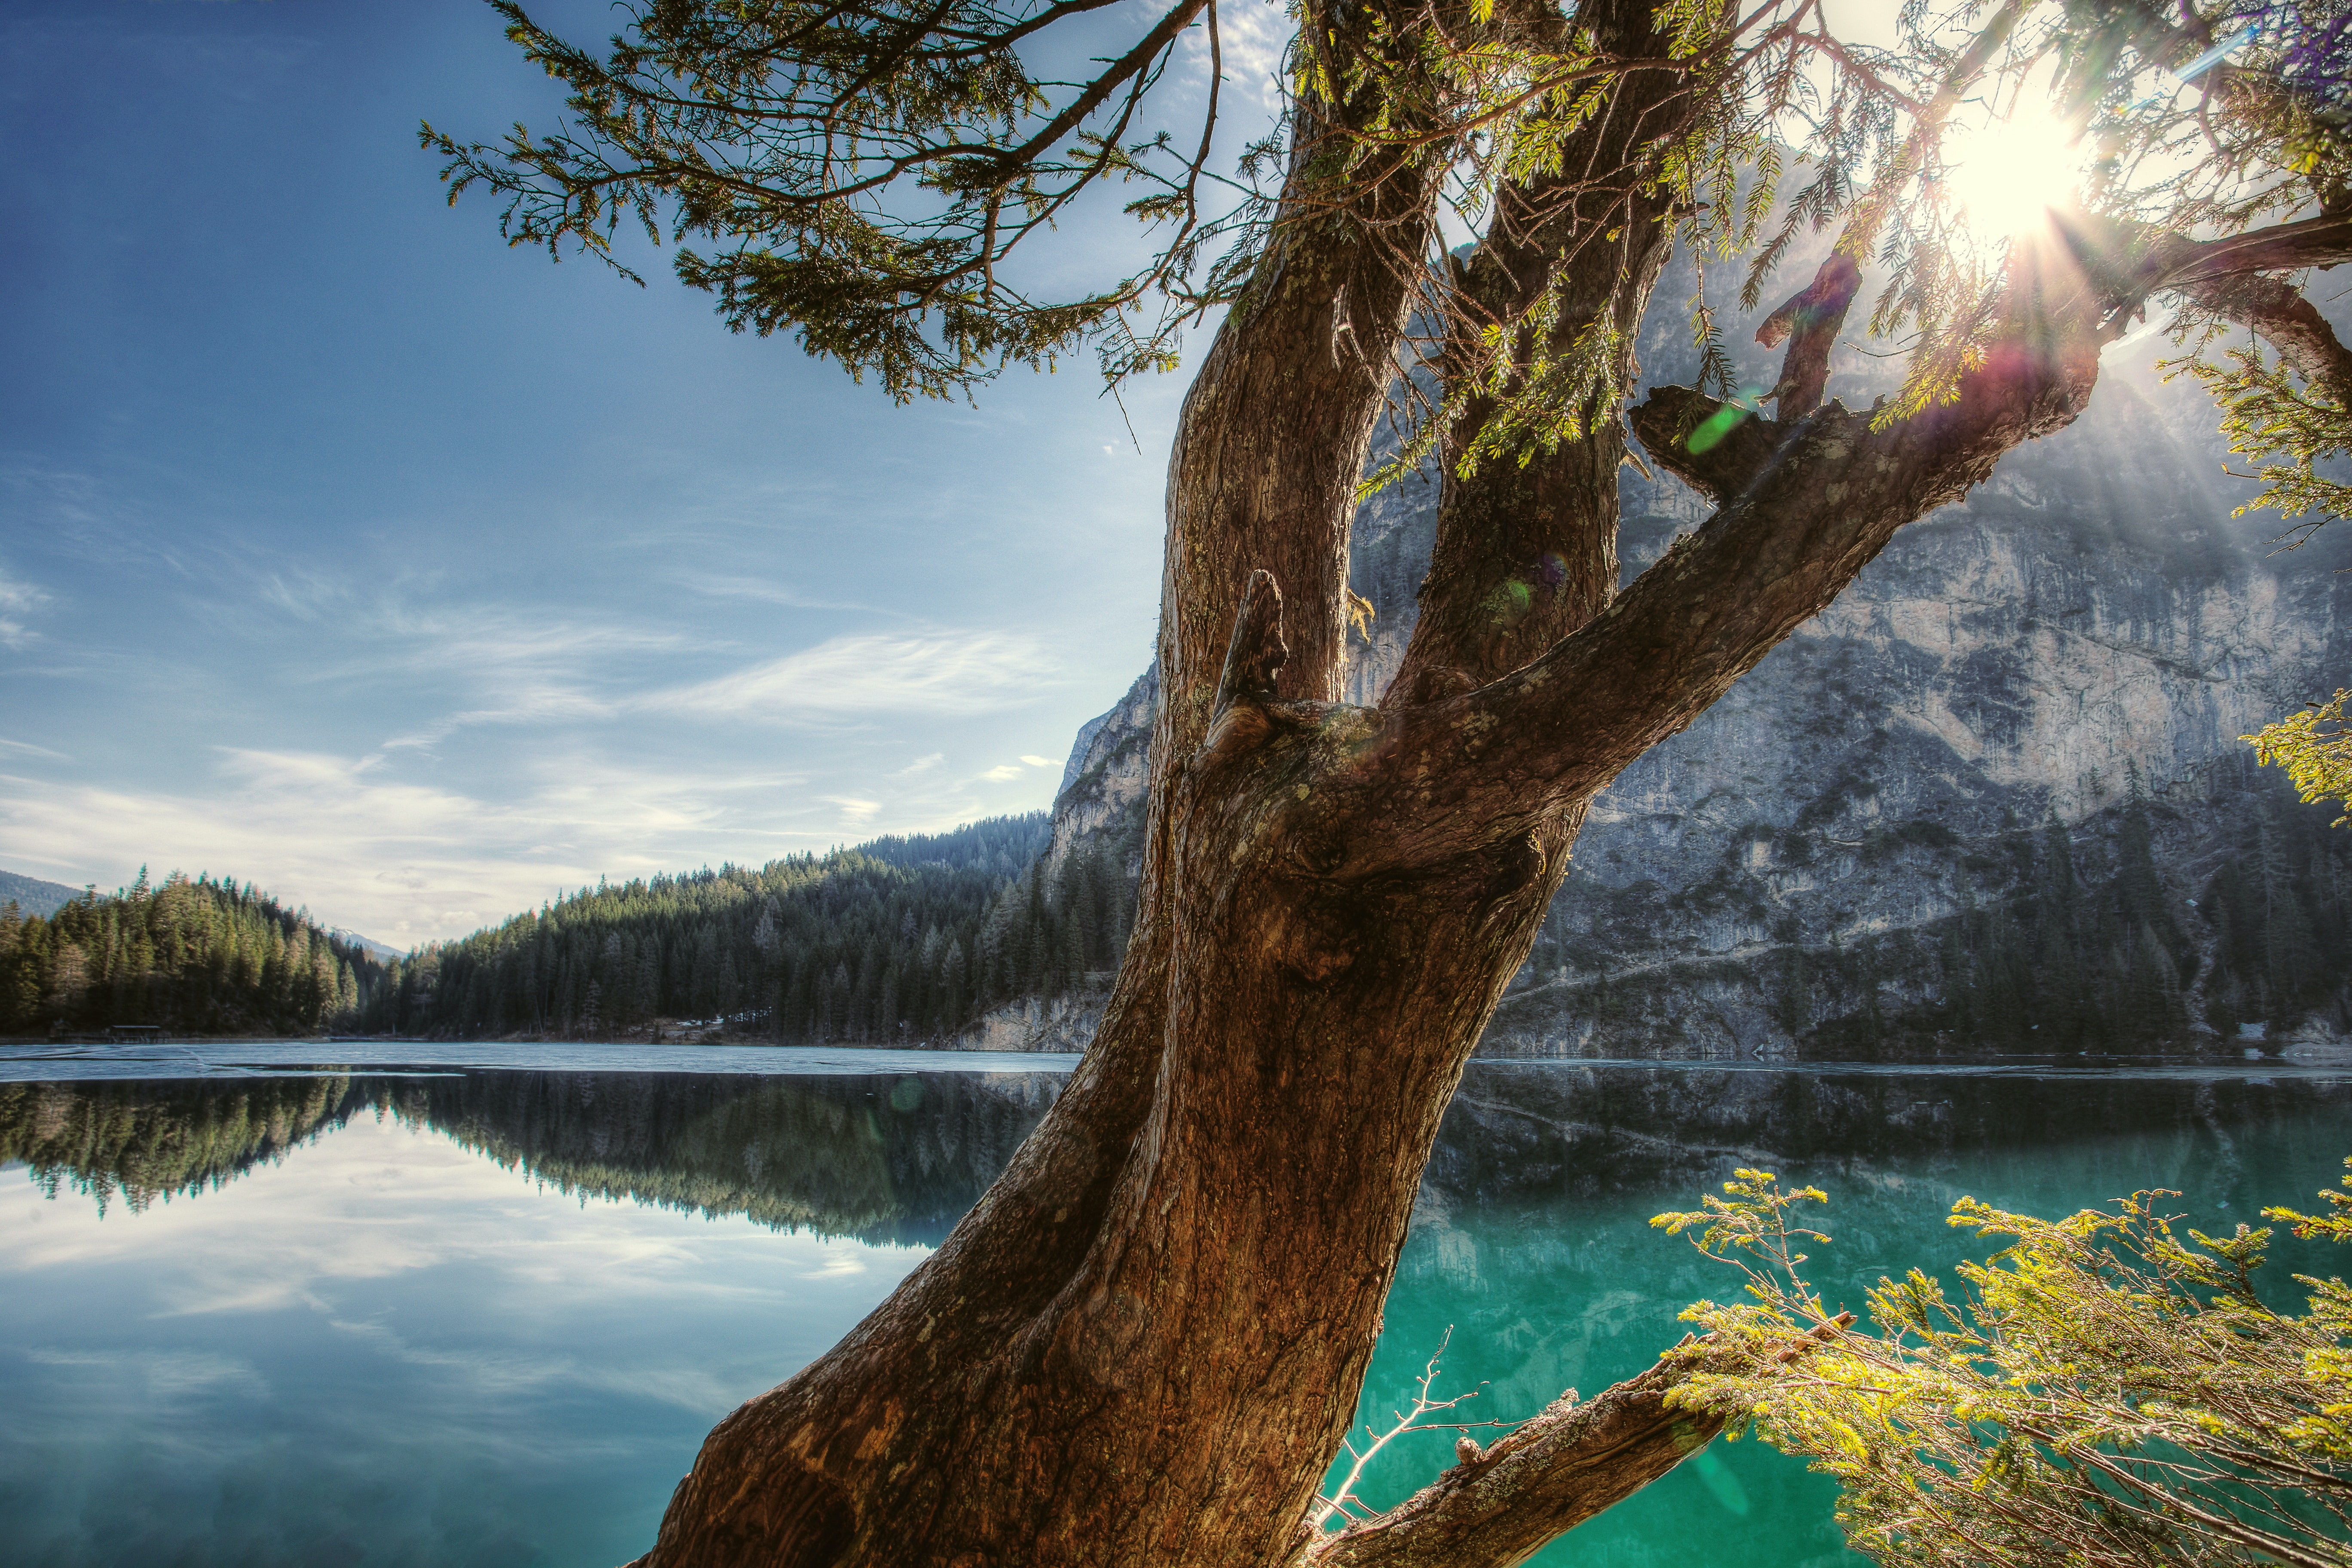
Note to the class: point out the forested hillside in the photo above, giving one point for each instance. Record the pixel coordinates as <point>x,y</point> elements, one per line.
<point>193,956</point>
<point>897,941</point>
<point>33,896</point>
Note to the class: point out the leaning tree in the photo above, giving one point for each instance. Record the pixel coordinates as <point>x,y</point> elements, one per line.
<point>1144,1345</point>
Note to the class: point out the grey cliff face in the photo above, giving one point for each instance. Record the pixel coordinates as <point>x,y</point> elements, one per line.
<point>1992,800</point>
<point>1819,866</point>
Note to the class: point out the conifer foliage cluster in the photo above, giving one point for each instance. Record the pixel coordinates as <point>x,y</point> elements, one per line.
<point>897,941</point>
<point>2110,1388</point>
<point>195,955</point>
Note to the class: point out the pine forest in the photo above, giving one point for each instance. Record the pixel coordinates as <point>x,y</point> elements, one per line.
<point>902,940</point>
<point>193,956</point>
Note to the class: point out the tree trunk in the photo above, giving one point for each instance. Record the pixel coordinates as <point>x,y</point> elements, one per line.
<point>1144,1345</point>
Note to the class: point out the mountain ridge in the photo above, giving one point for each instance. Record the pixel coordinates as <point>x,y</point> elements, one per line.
<point>34,896</point>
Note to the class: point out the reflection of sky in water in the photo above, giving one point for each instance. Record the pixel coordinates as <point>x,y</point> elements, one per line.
<point>385,1350</point>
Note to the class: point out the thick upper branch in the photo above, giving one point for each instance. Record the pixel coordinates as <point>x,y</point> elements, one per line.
<point>1804,507</point>
<point>2229,277</point>
<point>1823,497</point>
<point>1715,450</point>
<point>2323,241</point>
<point>1526,553</point>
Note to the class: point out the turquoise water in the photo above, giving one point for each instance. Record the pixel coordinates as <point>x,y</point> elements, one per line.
<point>485,1316</point>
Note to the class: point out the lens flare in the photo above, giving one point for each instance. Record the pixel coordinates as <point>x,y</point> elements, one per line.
<point>2007,174</point>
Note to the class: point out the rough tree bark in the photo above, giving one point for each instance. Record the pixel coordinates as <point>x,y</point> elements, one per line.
<point>1144,1343</point>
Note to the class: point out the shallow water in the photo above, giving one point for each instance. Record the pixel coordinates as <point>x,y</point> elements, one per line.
<point>463,1315</point>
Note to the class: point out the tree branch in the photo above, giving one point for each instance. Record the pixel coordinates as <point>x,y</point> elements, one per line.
<point>2323,241</point>
<point>2226,277</point>
<point>1716,448</point>
<point>1829,494</point>
<point>1804,507</point>
<point>1178,18</point>
<point>1526,552</point>
<point>1546,1479</point>
<point>2277,313</point>
<point>1810,323</point>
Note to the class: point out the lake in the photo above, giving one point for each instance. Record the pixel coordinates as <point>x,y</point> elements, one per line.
<point>478,1305</point>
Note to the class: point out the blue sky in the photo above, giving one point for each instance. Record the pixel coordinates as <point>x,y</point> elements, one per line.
<point>418,579</point>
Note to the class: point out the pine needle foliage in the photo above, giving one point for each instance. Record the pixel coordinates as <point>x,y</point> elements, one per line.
<point>2290,424</point>
<point>2315,747</point>
<point>881,178</point>
<point>2106,1389</point>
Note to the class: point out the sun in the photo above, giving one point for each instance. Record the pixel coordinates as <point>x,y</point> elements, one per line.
<point>2008,172</point>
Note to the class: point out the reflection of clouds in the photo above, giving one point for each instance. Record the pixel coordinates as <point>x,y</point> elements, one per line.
<point>506,1375</point>
<point>373,1201</point>
<point>164,1374</point>
<point>838,1264</point>
<point>389,1338</point>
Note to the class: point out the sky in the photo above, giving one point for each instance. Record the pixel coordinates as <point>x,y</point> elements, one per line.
<point>417,580</point>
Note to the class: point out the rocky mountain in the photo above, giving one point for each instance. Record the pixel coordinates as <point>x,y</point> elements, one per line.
<point>1991,801</point>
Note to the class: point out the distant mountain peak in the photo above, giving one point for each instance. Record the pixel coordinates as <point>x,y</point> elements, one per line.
<point>383,950</point>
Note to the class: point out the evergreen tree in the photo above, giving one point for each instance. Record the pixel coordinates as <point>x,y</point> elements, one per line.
<point>192,955</point>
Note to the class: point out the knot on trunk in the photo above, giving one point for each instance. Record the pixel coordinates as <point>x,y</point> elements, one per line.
<point>1258,651</point>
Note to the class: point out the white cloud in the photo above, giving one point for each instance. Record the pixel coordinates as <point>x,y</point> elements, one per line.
<point>306,595</point>
<point>858,675</point>
<point>386,845</point>
<point>1251,39</point>
<point>1039,761</point>
<point>403,861</point>
<point>855,813</point>
<point>527,703</point>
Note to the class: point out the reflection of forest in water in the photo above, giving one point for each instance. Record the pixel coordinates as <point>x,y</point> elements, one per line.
<point>882,1159</point>
<point>901,1158</point>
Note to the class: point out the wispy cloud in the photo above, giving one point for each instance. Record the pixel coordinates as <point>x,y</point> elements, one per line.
<point>1252,40</point>
<point>1039,761</point>
<point>853,676</point>
<point>18,598</point>
<point>526,704</point>
<point>305,595</point>
<point>729,585</point>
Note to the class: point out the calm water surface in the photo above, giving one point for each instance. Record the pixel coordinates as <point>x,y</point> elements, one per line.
<point>265,1311</point>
